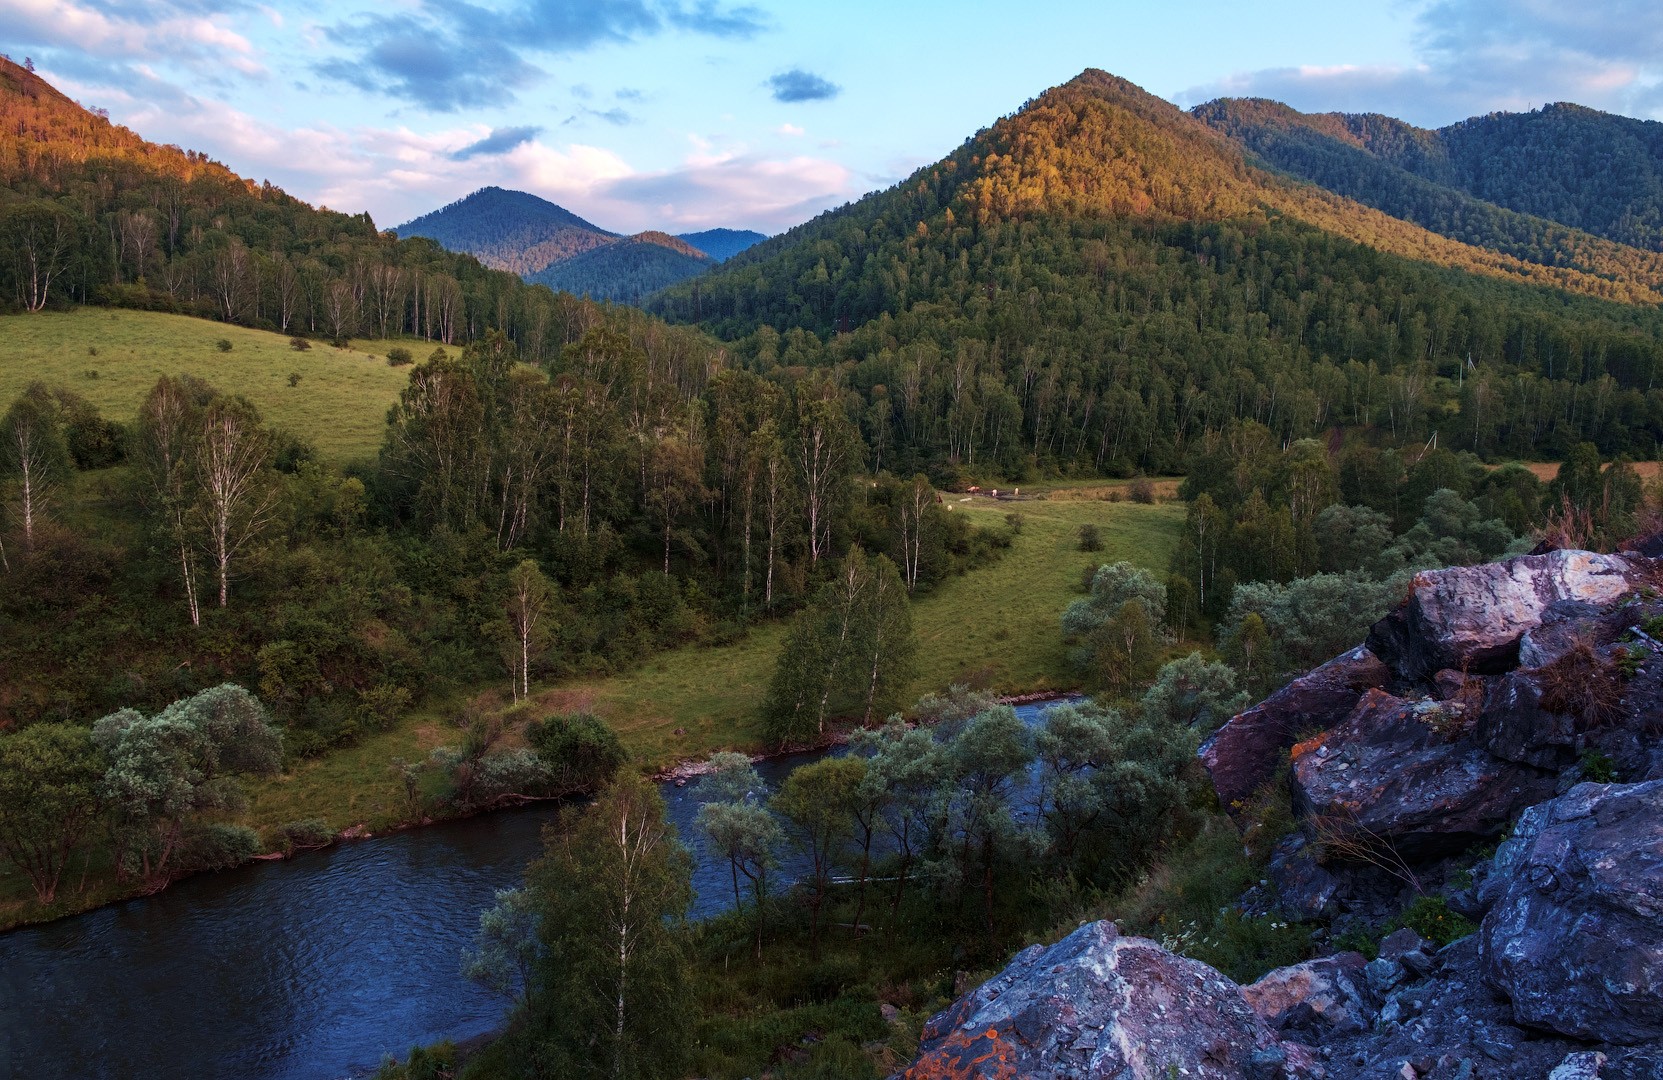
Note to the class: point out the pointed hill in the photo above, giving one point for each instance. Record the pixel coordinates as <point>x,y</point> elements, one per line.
<point>1102,277</point>
<point>509,230</point>
<point>627,270</point>
<point>723,244</point>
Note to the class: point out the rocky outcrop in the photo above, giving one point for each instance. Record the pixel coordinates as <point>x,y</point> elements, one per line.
<point>1251,746</point>
<point>1574,934</point>
<point>1390,773</point>
<point>1313,1001</point>
<point>1472,618</point>
<point>1099,1004</point>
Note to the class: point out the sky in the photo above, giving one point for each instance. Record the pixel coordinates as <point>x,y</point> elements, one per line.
<point>690,114</point>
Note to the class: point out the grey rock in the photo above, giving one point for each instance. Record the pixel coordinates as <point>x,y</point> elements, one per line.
<point>1574,937</point>
<point>1514,726</point>
<point>1398,943</point>
<point>1383,975</point>
<point>1246,752</point>
<point>1386,774</point>
<point>1310,1001</point>
<point>1151,1012</point>
<point>1584,1065</point>
<point>1304,889</point>
<point>1472,618</point>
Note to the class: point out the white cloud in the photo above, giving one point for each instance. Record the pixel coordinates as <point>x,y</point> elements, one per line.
<point>791,131</point>
<point>1479,56</point>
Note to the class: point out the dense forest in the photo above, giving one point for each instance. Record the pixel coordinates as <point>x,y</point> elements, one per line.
<point>627,271</point>
<point>1100,281</point>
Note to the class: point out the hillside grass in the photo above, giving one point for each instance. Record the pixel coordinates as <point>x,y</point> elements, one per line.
<point>339,405</point>
<point>995,627</point>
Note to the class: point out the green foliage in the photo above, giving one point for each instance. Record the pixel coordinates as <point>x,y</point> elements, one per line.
<point>507,946</point>
<point>399,356</point>
<point>1597,767</point>
<point>1090,539</point>
<point>1431,918</point>
<point>580,751</point>
<point>611,891</point>
<point>224,345</point>
<point>1194,692</point>
<point>49,798</point>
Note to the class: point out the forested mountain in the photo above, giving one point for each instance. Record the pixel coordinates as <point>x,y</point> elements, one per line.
<point>723,244</point>
<point>1354,156</point>
<point>547,244</point>
<point>1585,169</point>
<point>1100,279</point>
<point>509,230</point>
<point>626,271</point>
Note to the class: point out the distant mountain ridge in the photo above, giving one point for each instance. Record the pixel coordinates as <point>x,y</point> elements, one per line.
<point>544,242</point>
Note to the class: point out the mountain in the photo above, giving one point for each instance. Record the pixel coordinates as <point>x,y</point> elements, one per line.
<point>509,230</point>
<point>1407,173</point>
<point>723,244</point>
<point>1101,281</point>
<point>532,237</point>
<point>627,270</point>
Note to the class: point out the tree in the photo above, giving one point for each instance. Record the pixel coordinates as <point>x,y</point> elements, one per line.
<point>184,760</point>
<point>903,774</point>
<point>818,801</point>
<point>581,752</point>
<point>238,495</point>
<point>853,641</point>
<point>1194,692</point>
<point>41,236</point>
<point>506,947</point>
<point>528,601</point>
<point>612,891</point>
<point>916,503</point>
<point>985,762</point>
<point>826,445</point>
<point>49,775</point>
<point>735,822</point>
<point>169,423</point>
<point>34,454</point>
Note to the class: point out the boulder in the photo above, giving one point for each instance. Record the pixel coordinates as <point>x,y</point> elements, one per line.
<point>1574,934</point>
<point>1303,888</point>
<point>1098,1004</point>
<point>1388,773</point>
<point>1514,726</point>
<point>1246,752</point>
<point>1471,618</point>
<point>1565,623</point>
<point>1308,1002</point>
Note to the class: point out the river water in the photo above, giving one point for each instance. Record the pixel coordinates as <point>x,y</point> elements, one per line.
<point>311,969</point>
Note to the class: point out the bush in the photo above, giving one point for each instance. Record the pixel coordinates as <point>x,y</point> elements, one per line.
<point>294,378</point>
<point>1141,490</point>
<point>398,356</point>
<point>340,343</point>
<point>299,344</point>
<point>1430,917</point>
<point>223,344</point>
<point>1090,538</point>
<point>301,835</point>
<point>579,749</point>
<point>218,846</point>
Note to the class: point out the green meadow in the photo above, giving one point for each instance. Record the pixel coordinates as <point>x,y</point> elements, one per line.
<point>113,357</point>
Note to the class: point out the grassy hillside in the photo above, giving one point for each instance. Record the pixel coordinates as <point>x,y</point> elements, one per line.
<point>112,357</point>
<point>994,627</point>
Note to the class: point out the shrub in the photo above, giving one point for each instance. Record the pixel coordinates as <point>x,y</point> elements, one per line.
<point>1015,521</point>
<point>1597,768</point>
<point>217,846</point>
<point>1090,538</point>
<point>301,835</point>
<point>398,356</point>
<point>1141,490</point>
<point>294,378</point>
<point>299,344</point>
<point>340,343</point>
<point>223,344</point>
<point>92,350</point>
<point>1430,917</point>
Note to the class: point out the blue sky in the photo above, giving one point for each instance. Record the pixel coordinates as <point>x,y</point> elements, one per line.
<point>688,114</point>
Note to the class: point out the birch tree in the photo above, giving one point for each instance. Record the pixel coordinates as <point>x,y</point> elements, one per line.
<point>613,889</point>
<point>163,451</point>
<point>41,238</point>
<point>528,602</point>
<point>33,454</point>
<point>237,495</point>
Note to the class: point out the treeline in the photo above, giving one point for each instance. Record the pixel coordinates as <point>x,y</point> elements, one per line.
<point>91,213</point>
<point>1022,307</point>
<point>1328,151</point>
<point>651,505</point>
<point>626,271</point>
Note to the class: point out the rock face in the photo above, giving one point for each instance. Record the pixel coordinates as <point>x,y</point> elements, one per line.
<point>1574,936</point>
<point>1098,1004</point>
<point>1389,772</point>
<point>1316,999</point>
<point>1248,749</point>
<point>1472,618</point>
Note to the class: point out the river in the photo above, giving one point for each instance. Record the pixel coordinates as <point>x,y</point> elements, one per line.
<point>315,968</point>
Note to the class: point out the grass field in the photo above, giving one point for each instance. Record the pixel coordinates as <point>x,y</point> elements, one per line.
<point>339,405</point>
<point>995,627</point>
